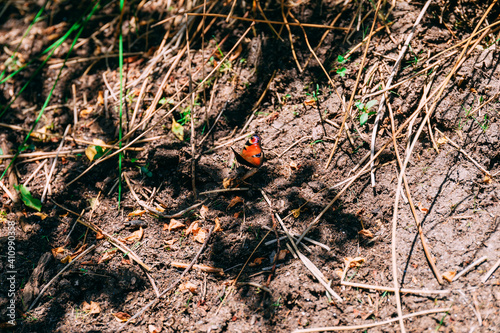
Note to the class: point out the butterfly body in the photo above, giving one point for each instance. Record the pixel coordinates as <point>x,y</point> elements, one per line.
<point>252,155</point>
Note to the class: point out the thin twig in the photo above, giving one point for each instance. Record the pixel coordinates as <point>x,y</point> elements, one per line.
<point>470,267</point>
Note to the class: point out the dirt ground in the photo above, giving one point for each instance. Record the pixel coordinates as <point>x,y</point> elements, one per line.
<point>452,172</point>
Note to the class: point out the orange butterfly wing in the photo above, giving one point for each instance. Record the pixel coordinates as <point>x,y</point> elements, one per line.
<point>252,155</point>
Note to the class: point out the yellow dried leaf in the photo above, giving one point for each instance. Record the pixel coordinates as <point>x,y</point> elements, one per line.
<point>91,150</point>
<point>177,130</point>
<point>217,225</point>
<point>85,113</point>
<point>99,235</point>
<point>193,228</point>
<point>136,236</point>
<point>296,212</point>
<point>175,224</point>
<point>66,260</point>
<point>42,216</point>
<point>121,316</point>
<point>448,276</point>
<point>228,182</point>
<point>487,179</point>
<point>188,286</point>
<point>365,233</point>
<point>234,201</point>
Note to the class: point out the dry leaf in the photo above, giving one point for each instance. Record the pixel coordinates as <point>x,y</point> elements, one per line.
<point>153,328</point>
<point>236,215</point>
<point>339,272</point>
<point>99,235</point>
<point>229,182</point>
<point>356,262</point>
<point>448,276</point>
<point>136,236</point>
<point>421,208</point>
<point>175,224</point>
<point>92,308</point>
<point>66,260</point>
<point>234,201</point>
<point>296,212</point>
<point>442,141</point>
<point>236,53</point>
<point>107,256</point>
<point>310,102</point>
<point>256,262</point>
<point>42,216</point>
<point>58,250</point>
<point>85,113</point>
<point>294,165</point>
<point>487,179</point>
<point>188,286</point>
<point>193,228</point>
<point>171,242</point>
<point>204,268</point>
<point>203,211</point>
<point>282,254</point>
<point>365,233</point>
<point>77,252</point>
<point>121,316</point>
<point>217,225</point>
<point>200,236</point>
<point>91,150</point>
<point>137,213</point>
<point>177,129</point>
<point>100,97</point>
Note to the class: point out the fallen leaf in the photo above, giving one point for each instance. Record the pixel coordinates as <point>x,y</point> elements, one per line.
<point>137,213</point>
<point>339,272</point>
<point>121,316</point>
<point>234,201</point>
<point>487,179</point>
<point>66,260</point>
<point>365,233</point>
<point>200,236</point>
<point>421,208</point>
<point>100,97</point>
<point>42,216</point>
<point>171,242</point>
<point>356,262</point>
<point>85,113</point>
<point>296,212</point>
<point>236,53</point>
<point>442,141</point>
<point>99,235</point>
<point>153,328</point>
<point>193,228</point>
<point>188,286</point>
<point>92,308</point>
<point>78,251</point>
<point>236,215</point>
<point>203,211</point>
<point>294,165</point>
<point>58,250</point>
<point>229,182</point>
<point>136,236</point>
<point>107,256</point>
<point>256,262</point>
<point>448,276</point>
<point>282,254</point>
<point>175,224</point>
<point>94,150</point>
<point>310,102</point>
<point>204,268</point>
<point>177,129</point>
<point>217,225</point>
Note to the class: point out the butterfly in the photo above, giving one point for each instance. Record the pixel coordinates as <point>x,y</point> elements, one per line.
<point>252,155</point>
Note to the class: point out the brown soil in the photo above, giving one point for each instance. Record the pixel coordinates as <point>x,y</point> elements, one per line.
<point>457,204</point>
